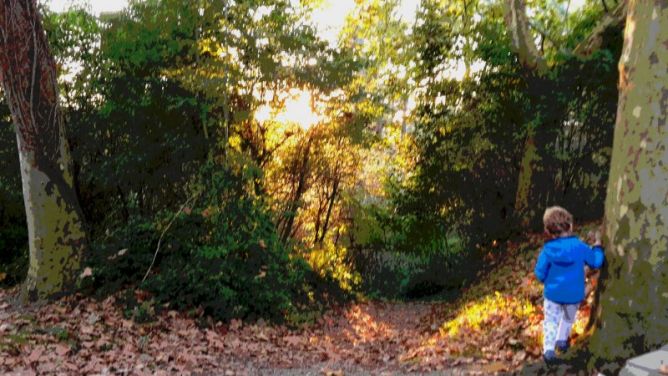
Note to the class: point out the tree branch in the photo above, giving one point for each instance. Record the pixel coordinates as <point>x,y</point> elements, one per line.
<point>521,39</point>
<point>523,44</point>
<point>544,34</point>
<point>162,235</point>
<point>611,19</point>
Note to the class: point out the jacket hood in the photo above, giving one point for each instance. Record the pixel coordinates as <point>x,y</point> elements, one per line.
<point>560,251</point>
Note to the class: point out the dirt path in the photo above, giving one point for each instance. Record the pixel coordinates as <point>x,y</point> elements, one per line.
<point>372,336</point>
<point>79,335</point>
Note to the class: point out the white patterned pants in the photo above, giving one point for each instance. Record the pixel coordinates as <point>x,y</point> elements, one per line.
<point>557,323</point>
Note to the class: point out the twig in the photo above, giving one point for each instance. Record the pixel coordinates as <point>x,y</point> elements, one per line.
<point>157,249</point>
<point>544,34</point>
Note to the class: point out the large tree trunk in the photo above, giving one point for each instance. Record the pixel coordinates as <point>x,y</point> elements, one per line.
<point>632,310</point>
<point>28,75</point>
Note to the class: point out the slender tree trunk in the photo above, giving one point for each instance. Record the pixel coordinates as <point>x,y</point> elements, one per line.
<point>536,179</point>
<point>525,180</point>
<point>631,314</point>
<point>330,206</point>
<point>301,188</point>
<point>28,75</point>
<point>534,67</point>
<point>316,231</point>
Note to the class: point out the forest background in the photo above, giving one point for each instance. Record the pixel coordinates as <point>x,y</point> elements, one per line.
<point>228,158</point>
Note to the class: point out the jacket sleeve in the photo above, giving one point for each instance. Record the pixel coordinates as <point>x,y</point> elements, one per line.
<point>542,267</point>
<point>594,256</point>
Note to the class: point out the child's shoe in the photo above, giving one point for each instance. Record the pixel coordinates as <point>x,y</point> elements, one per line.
<point>562,346</point>
<point>550,357</point>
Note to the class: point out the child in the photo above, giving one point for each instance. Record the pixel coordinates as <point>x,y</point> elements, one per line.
<point>560,268</point>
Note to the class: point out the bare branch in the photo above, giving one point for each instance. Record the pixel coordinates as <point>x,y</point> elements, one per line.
<point>162,235</point>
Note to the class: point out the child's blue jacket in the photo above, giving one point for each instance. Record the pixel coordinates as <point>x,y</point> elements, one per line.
<point>560,268</point>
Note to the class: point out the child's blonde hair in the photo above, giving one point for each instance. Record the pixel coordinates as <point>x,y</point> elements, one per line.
<point>557,220</point>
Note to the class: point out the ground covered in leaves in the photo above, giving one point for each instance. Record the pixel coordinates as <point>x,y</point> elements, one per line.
<point>495,326</point>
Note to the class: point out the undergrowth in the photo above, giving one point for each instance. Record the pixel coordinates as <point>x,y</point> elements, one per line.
<point>221,255</point>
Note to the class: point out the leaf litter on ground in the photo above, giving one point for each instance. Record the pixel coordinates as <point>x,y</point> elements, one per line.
<point>493,327</point>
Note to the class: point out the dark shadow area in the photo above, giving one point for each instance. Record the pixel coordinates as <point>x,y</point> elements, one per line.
<point>13,230</point>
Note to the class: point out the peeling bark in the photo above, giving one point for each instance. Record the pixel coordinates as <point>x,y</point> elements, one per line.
<point>28,74</point>
<point>631,314</point>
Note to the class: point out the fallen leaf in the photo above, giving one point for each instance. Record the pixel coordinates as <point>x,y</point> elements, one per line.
<point>294,340</point>
<point>35,355</point>
<point>62,350</point>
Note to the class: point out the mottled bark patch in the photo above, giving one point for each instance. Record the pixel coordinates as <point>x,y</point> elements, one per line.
<point>633,316</point>
<point>28,75</point>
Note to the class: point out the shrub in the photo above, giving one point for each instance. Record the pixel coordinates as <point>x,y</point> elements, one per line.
<point>332,261</point>
<point>221,254</point>
<point>400,255</point>
<point>396,274</point>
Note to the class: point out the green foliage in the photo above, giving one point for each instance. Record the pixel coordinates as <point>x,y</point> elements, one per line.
<point>333,262</point>
<point>398,258</point>
<point>469,136</point>
<point>159,104</point>
<point>138,311</point>
<point>61,334</point>
<point>152,97</point>
<point>222,254</point>
<point>470,133</point>
<point>467,177</point>
<point>229,259</point>
<point>401,275</point>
